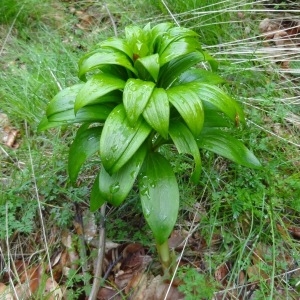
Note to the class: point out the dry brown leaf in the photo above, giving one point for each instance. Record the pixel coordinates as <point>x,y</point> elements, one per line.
<point>255,273</point>
<point>134,257</point>
<point>158,289</point>
<point>5,293</point>
<point>55,259</point>
<point>71,260</point>
<point>32,278</point>
<point>138,287</point>
<point>131,266</point>
<point>89,226</point>
<point>137,283</point>
<point>221,273</point>
<point>107,293</point>
<point>29,277</point>
<point>295,231</point>
<point>52,290</point>
<point>177,238</point>
<point>8,134</point>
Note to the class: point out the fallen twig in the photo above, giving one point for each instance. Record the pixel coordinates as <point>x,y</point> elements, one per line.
<point>101,252</point>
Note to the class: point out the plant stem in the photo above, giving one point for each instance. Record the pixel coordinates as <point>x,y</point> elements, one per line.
<point>164,256</point>
<point>101,251</point>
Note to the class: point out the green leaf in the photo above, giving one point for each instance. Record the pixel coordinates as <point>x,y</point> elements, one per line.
<point>157,112</point>
<point>159,196</point>
<point>148,67</point>
<point>213,63</point>
<point>222,143</point>
<point>156,33</point>
<point>118,44</point>
<point>119,140</point>
<point>175,34</point>
<point>133,33</point>
<point>189,106</point>
<point>115,188</point>
<point>214,96</point>
<point>214,118</point>
<point>95,198</point>
<point>60,110</point>
<point>135,97</point>
<point>170,71</point>
<point>177,49</point>
<point>200,75</point>
<point>138,40</point>
<point>94,113</point>
<point>63,100</point>
<point>45,124</point>
<point>91,113</point>
<point>98,90</point>
<point>85,144</point>
<point>185,143</point>
<point>98,59</point>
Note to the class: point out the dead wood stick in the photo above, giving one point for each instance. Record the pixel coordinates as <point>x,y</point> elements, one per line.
<point>101,252</point>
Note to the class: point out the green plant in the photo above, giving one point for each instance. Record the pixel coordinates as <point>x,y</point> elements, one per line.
<point>195,285</point>
<point>138,94</point>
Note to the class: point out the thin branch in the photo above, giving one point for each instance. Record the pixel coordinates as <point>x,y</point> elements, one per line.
<point>101,252</point>
<point>171,14</point>
<point>112,20</point>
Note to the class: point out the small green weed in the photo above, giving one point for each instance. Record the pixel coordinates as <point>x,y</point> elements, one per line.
<point>195,286</point>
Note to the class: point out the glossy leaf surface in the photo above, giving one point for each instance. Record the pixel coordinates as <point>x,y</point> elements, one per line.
<point>156,34</point>
<point>97,90</point>
<point>115,188</point>
<point>102,58</point>
<point>189,106</point>
<point>185,143</point>
<point>95,199</point>
<point>138,40</point>
<point>222,143</point>
<point>119,45</point>
<point>174,34</point>
<point>216,97</point>
<point>91,113</point>
<point>177,49</point>
<point>157,112</point>
<point>63,100</point>
<point>148,67</point>
<point>135,97</point>
<point>159,196</point>
<point>214,118</point>
<point>85,144</point>
<point>173,69</point>
<point>119,140</point>
<point>199,75</point>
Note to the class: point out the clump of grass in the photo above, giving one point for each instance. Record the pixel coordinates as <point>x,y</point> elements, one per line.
<point>23,13</point>
<point>210,18</point>
<point>42,72</point>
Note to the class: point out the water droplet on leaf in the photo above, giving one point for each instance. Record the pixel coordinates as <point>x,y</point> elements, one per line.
<point>114,188</point>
